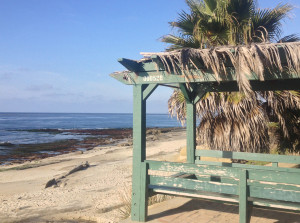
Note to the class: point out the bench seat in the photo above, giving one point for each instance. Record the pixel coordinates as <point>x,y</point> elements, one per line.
<point>245,184</point>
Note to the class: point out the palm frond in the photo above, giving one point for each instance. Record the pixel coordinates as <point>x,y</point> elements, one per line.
<point>289,38</point>
<point>268,21</point>
<point>249,59</point>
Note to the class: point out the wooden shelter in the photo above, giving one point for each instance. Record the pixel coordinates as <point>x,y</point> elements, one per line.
<point>257,67</point>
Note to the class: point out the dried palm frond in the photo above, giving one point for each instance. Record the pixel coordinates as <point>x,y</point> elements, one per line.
<point>237,122</point>
<point>281,102</point>
<point>232,121</point>
<point>247,60</point>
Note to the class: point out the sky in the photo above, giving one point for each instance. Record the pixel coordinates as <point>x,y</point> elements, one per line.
<point>56,56</point>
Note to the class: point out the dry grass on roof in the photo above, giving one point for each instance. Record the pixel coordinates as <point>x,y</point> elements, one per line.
<point>272,58</point>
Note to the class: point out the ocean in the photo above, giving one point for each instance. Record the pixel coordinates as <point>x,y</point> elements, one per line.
<point>20,128</point>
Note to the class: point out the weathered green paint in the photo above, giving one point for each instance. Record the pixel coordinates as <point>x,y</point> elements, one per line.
<point>139,152</point>
<point>143,209</point>
<point>186,93</point>
<point>247,166</point>
<point>276,204</point>
<point>200,94</point>
<point>192,184</point>
<point>249,156</point>
<point>149,90</point>
<point>131,65</point>
<point>194,194</point>
<point>191,98</point>
<point>243,197</point>
<point>193,169</point>
<point>251,182</point>
<point>233,172</point>
<point>219,179</point>
<point>208,79</point>
<point>274,194</point>
<point>190,131</point>
<point>224,198</point>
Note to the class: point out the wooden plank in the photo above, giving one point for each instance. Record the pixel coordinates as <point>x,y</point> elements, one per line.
<point>194,194</point>
<point>149,90</point>
<point>227,83</point>
<point>243,197</point>
<point>186,92</point>
<point>275,186</point>
<point>250,183</point>
<point>233,172</point>
<point>273,194</point>
<point>139,151</point>
<point>199,96</point>
<point>190,131</point>
<point>274,176</point>
<point>219,179</point>
<point>131,65</point>
<point>193,169</point>
<point>224,198</point>
<point>192,184</point>
<point>143,209</point>
<point>249,156</point>
<point>279,205</point>
<point>247,166</point>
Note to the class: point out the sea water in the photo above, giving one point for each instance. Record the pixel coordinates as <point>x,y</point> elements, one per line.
<point>15,128</point>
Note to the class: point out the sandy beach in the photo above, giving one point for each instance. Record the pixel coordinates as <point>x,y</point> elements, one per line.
<point>89,195</point>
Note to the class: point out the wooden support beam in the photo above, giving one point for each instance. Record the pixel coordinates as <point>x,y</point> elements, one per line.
<point>249,156</point>
<point>144,180</point>
<point>243,197</point>
<point>138,205</point>
<point>190,121</point>
<point>131,65</point>
<point>147,76</point>
<point>186,93</point>
<point>199,96</point>
<point>149,90</point>
<point>190,131</point>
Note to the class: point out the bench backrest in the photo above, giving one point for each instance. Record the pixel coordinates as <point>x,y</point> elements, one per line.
<point>282,184</point>
<point>246,157</point>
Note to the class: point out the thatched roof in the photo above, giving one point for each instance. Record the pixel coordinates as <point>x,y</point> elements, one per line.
<point>275,59</point>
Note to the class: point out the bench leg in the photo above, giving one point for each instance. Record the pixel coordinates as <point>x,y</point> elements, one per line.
<point>243,198</point>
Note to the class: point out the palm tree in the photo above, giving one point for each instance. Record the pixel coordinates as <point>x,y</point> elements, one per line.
<point>236,121</point>
<point>227,22</point>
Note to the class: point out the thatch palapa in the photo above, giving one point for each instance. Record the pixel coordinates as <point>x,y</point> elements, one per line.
<point>259,60</point>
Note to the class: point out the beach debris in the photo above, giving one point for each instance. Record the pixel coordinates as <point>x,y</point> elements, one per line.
<point>54,182</point>
<point>78,168</point>
<point>51,183</point>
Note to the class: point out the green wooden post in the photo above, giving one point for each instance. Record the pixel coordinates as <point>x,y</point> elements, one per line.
<point>190,131</point>
<point>143,212</point>
<point>243,197</point>
<point>190,123</point>
<point>139,195</point>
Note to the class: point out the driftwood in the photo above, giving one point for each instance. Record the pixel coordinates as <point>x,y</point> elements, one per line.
<point>54,182</point>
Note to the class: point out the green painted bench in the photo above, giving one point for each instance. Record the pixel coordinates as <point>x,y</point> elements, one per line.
<point>239,182</point>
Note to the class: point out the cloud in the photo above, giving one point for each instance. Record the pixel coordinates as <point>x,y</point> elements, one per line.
<point>40,90</point>
<point>42,87</point>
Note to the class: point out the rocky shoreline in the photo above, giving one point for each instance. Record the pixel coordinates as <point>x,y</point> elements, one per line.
<point>94,137</point>
<point>81,187</point>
